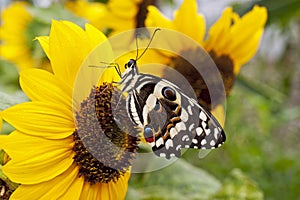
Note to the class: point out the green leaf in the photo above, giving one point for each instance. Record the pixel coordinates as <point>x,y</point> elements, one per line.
<point>56,11</point>
<point>239,186</point>
<point>177,181</point>
<point>8,100</point>
<point>9,76</point>
<point>278,11</point>
<point>282,11</point>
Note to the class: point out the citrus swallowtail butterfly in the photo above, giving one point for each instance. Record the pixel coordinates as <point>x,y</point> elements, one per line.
<point>170,119</point>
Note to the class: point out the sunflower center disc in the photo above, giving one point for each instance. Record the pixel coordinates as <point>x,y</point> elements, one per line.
<point>104,151</point>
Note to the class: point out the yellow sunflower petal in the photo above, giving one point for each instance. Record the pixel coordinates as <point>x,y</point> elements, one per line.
<point>219,113</point>
<point>156,19</point>
<point>95,37</point>
<point>12,144</point>
<point>87,76</point>
<point>249,24</point>
<point>106,191</point>
<point>52,189</point>
<point>245,45</point>
<point>218,30</point>
<point>66,51</point>
<point>41,85</point>
<point>189,22</point>
<point>89,191</point>
<point>195,28</point>
<point>92,11</point>
<point>74,190</point>
<point>237,37</point>
<point>118,190</point>
<point>41,119</point>
<point>68,47</point>
<point>38,159</point>
<point>245,54</point>
<point>118,7</point>
<point>116,19</point>
<point>44,42</point>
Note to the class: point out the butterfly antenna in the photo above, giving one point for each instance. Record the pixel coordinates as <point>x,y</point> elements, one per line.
<point>137,49</point>
<point>109,65</point>
<point>137,46</point>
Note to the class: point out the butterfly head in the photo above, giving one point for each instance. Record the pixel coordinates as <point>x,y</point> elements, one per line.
<point>129,76</point>
<point>130,64</point>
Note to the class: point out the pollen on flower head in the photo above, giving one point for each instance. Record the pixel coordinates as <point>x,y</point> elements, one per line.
<point>104,151</point>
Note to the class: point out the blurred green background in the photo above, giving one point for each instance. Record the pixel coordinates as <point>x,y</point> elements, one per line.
<point>260,159</point>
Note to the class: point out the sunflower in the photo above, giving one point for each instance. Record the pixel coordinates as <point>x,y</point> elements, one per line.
<point>231,42</point>
<point>48,153</point>
<point>16,38</point>
<point>115,16</point>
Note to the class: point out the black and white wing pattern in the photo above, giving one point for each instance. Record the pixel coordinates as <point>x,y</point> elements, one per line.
<point>171,120</point>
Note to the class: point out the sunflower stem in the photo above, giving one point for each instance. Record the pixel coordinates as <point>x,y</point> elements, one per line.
<point>263,90</point>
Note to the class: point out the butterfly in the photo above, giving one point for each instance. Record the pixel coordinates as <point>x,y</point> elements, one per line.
<point>170,119</point>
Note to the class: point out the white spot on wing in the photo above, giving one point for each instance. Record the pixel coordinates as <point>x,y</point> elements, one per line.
<point>199,131</point>
<point>169,143</point>
<point>184,116</point>
<point>203,124</point>
<point>212,143</point>
<point>178,147</point>
<point>207,131</point>
<point>151,101</point>
<point>162,155</point>
<point>191,127</point>
<point>190,109</point>
<point>173,132</point>
<point>203,142</point>
<point>191,102</point>
<point>195,141</point>
<point>159,142</point>
<point>180,127</point>
<point>185,138</point>
<point>202,116</point>
<point>216,133</point>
